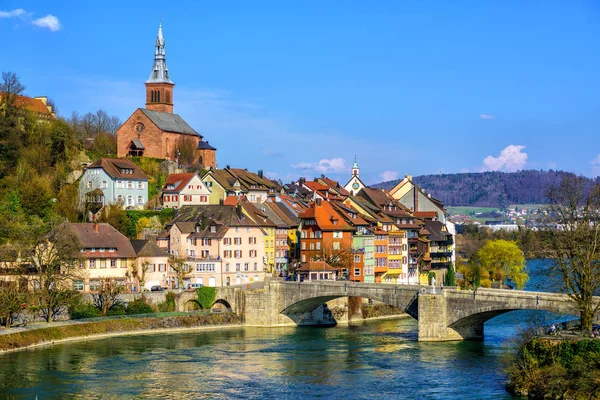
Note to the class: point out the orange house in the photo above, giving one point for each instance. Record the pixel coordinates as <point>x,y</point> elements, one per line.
<point>381,254</point>
<point>326,236</point>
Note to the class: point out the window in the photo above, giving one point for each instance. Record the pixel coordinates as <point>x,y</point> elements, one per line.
<point>255,266</point>
<point>248,229</point>
<point>252,253</point>
<point>111,250</point>
<point>203,199</point>
<point>238,254</point>
<point>167,198</point>
<point>119,184</point>
<point>312,246</point>
<point>318,245</point>
<point>104,185</point>
<point>237,266</point>
<point>236,229</point>
<point>336,245</point>
<point>226,267</point>
<point>356,258</point>
<point>227,241</point>
<point>129,185</point>
<point>213,229</point>
<point>162,267</point>
<point>356,271</point>
<point>78,285</point>
<point>227,254</point>
<point>337,234</point>
<point>92,263</point>
<point>205,253</point>
<point>101,249</point>
<point>140,199</point>
<point>129,200</point>
<point>113,263</point>
<point>246,266</point>
<point>187,198</point>
<point>89,184</point>
<point>303,245</point>
<point>140,185</point>
<point>206,242</point>
<point>303,258</point>
<point>252,240</point>
<point>312,235</point>
<point>237,240</point>
<point>318,234</point>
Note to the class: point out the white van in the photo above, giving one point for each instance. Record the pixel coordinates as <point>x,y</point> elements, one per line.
<point>195,285</point>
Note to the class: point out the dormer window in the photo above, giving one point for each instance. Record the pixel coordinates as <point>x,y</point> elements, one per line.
<point>213,228</point>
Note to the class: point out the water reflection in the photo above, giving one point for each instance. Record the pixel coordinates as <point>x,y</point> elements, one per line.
<point>376,360</point>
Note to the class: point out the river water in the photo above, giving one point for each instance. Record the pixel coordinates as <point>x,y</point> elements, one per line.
<point>377,359</point>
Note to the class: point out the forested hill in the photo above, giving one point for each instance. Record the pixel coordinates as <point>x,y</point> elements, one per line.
<point>487,189</point>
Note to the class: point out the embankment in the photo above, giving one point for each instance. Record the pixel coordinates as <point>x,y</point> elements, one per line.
<point>53,334</point>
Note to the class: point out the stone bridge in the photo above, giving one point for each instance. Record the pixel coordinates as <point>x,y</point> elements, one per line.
<point>449,314</point>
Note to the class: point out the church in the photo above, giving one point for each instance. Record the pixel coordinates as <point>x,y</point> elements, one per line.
<point>155,131</point>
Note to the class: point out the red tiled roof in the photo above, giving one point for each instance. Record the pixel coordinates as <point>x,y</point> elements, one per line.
<point>179,181</point>
<point>316,266</point>
<point>327,217</point>
<point>315,186</point>
<point>103,236</point>
<point>31,104</point>
<point>425,214</point>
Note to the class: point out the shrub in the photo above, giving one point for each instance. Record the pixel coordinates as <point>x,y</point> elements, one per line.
<point>169,304</point>
<point>84,310</point>
<point>138,306</point>
<point>206,296</point>
<point>117,309</point>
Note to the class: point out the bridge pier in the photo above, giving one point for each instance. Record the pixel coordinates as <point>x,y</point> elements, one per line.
<point>434,321</point>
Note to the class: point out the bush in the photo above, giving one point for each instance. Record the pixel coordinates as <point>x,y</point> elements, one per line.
<point>84,310</point>
<point>138,306</point>
<point>117,309</point>
<point>169,304</point>
<point>206,296</point>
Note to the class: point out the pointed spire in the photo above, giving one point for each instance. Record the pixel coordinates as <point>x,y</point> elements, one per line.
<point>160,72</point>
<point>355,165</point>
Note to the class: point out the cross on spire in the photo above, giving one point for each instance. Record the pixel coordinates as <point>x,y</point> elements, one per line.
<point>160,72</point>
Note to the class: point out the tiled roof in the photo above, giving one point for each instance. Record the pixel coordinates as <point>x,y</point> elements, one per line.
<point>437,231</point>
<point>169,122</point>
<point>207,233</point>
<point>261,218</point>
<point>178,181</point>
<point>251,180</point>
<point>315,186</point>
<point>327,217</point>
<point>30,104</point>
<point>347,212</point>
<point>145,248</point>
<point>223,178</point>
<point>284,213</point>
<point>105,237</point>
<point>316,266</point>
<point>425,214</point>
<point>376,196</point>
<point>225,215</point>
<point>115,166</point>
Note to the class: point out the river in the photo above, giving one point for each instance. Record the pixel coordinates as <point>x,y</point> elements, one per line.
<point>376,359</point>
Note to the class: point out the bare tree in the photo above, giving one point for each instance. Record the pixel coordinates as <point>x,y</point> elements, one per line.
<point>180,267</point>
<point>572,245</point>
<point>107,295</point>
<point>10,88</point>
<point>140,273</point>
<point>186,149</point>
<point>337,254</point>
<point>12,300</point>
<point>52,267</point>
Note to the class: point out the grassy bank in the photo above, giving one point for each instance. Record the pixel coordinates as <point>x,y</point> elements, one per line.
<point>51,334</point>
<point>556,369</point>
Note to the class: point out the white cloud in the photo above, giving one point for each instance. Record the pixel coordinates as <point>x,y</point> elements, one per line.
<point>272,175</point>
<point>486,116</point>
<point>324,165</point>
<point>389,175</point>
<point>19,12</point>
<point>510,159</point>
<point>49,21</point>
<point>465,170</point>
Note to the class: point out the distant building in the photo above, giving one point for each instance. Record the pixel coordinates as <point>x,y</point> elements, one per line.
<point>38,106</point>
<point>354,185</point>
<point>155,131</point>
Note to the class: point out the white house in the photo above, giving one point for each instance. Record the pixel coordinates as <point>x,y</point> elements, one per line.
<point>185,190</point>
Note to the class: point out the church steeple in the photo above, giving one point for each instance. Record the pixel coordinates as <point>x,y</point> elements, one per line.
<point>159,87</point>
<point>355,169</point>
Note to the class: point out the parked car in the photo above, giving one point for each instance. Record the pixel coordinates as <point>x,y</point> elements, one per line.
<point>156,288</point>
<point>195,285</point>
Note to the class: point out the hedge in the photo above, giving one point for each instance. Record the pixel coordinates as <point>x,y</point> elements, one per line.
<point>206,296</point>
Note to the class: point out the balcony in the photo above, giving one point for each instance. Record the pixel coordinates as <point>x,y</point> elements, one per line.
<point>200,258</point>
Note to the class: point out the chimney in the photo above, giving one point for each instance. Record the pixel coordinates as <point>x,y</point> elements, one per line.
<point>260,173</point>
<point>96,227</point>
<point>322,176</point>
<point>301,181</point>
<point>227,166</point>
<point>238,210</point>
<point>318,201</point>
<point>220,202</point>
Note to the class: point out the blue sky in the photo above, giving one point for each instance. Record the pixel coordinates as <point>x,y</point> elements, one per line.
<point>300,88</point>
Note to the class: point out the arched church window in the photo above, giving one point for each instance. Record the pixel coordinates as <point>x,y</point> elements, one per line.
<point>157,96</point>
<point>168,97</point>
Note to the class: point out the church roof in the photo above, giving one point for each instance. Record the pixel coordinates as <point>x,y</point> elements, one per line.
<point>168,122</point>
<point>204,145</point>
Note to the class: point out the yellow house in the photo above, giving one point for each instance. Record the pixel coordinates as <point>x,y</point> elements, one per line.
<point>268,227</point>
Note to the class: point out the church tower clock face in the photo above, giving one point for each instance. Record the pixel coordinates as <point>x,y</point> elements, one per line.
<point>355,185</point>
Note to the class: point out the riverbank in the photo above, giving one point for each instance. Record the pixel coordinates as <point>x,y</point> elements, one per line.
<point>101,329</point>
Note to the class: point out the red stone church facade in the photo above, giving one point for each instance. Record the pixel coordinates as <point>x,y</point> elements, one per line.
<point>155,131</point>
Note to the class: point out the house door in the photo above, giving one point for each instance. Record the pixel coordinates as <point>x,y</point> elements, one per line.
<point>212,282</point>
